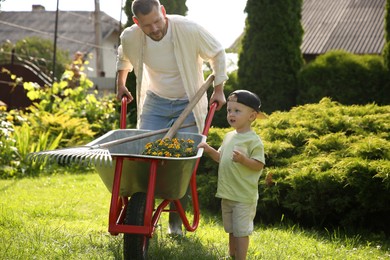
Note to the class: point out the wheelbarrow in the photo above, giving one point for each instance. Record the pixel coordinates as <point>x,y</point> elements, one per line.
<point>136,180</point>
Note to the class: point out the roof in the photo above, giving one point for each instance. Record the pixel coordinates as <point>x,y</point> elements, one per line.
<point>76,29</point>
<point>356,26</point>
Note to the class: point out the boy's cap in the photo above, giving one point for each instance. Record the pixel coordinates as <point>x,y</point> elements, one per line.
<point>246,98</point>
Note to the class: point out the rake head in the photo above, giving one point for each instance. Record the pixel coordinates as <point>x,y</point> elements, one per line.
<point>82,155</point>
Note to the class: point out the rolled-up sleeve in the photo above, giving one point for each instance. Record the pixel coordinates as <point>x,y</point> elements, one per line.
<point>213,52</point>
<point>122,62</point>
<point>218,65</point>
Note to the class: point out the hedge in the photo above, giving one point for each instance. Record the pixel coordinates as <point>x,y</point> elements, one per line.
<point>345,77</point>
<point>329,164</point>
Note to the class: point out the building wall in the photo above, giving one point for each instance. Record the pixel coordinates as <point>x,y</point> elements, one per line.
<point>106,84</point>
<point>110,45</point>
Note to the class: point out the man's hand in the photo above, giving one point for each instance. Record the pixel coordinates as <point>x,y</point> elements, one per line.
<point>218,96</point>
<point>123,91</point>
<point>121,86</point>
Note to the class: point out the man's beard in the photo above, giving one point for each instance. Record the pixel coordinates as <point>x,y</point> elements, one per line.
<point>156,36</point>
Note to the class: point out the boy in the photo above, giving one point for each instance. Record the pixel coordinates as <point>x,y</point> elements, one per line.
<point>241,161</point>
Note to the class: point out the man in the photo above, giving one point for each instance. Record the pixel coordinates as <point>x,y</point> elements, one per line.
<point>167,54</point>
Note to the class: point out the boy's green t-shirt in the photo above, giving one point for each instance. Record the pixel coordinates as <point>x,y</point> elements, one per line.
<point>235,181</point>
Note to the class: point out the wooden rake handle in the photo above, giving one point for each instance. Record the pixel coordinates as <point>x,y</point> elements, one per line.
<point>199,94</point>
<point>136,137</point>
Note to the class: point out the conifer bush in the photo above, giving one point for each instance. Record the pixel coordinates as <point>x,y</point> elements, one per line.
<point>329,163</point>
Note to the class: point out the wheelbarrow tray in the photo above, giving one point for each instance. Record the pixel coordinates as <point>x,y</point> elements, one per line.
<point>173,174</point>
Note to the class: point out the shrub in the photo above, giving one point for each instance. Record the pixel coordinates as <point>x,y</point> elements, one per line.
<point>17,140</point>
<point>7,145</point>
<point>75,130</point>
<point>346,78</point>
<point>61,116</point>
<point>329,165</point>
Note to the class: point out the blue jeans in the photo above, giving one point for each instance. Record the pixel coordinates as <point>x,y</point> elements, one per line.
<point>159,113</point>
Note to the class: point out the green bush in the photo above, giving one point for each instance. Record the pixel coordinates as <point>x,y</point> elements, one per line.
<point>61,116</point>
<point>346,78</point>
<point>8,158</point>
<point>17,140</point>
<point>329,163</point>
<point>59,100</point>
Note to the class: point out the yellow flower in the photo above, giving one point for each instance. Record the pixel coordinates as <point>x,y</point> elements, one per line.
<point>170,147</point>
<point>10,118</point>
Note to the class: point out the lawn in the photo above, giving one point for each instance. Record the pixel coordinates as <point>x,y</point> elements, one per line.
<point>66,217</point>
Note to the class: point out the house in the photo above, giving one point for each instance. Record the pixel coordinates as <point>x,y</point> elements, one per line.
<point>75,33</point>
<point>356,26</point>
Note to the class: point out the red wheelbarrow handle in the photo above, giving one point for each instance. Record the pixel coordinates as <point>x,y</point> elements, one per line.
<point>123,113</point>
<point>194,192</point>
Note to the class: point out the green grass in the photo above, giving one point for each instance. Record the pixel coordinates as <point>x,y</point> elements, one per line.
<point>66,217</point>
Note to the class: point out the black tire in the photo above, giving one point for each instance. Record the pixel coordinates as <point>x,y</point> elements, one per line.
<point>135,246</point>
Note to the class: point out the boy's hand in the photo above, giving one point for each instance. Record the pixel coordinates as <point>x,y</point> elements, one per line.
<point>237,156</point>
<point>214,154</point>
<point>205,146</point>
<point>240,157</point>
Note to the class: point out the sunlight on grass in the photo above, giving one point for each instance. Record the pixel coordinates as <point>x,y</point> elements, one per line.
<point>66,217</point>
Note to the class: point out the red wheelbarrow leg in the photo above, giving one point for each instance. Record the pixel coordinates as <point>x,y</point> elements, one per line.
<point>159,210</point>
<point>184,218</point>
<point>118,205</point>
<point>115,210</point>
<point>150,196</point>
<point>195,204</point>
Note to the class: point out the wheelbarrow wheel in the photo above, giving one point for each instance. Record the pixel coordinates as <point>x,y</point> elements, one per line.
<point>135,246</point>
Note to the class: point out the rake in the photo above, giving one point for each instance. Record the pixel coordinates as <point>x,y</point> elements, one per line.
<point>99,154</point>
<point>96,154</point>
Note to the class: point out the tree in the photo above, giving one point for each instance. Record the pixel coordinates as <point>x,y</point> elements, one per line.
<point>270,57</point>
